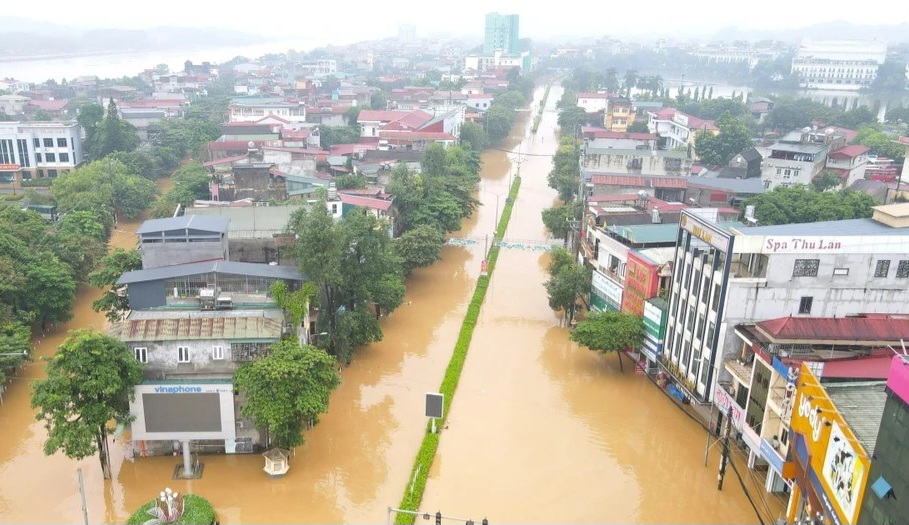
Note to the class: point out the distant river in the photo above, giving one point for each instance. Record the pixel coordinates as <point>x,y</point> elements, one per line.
<point>116,65</point>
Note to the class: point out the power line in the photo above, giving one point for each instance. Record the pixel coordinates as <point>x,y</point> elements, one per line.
<point>523,154</point>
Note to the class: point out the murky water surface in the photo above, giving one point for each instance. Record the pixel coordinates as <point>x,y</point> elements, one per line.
<point>541,431</point>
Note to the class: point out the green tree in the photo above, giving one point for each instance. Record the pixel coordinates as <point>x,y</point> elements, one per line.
<point>798,204</point>
<point>287,389</point>
<point>89,383</point>
<point>378,100</point>
<point>111,267</point>
<point>89,117</point>
<point>891,76</point>
<point>294,303</point>
<point>558,219</point>
<point>331,135</point>
<point>113,134</point>
<point>102,185</point>
<point>473,136</point>
<point>41,116</point>
<point>638,126</point>
<point>880,143</point>
<point>607,332</point>
<point>15,341</point>
<point>567,280</point>
<point>733,138</point>
<point>419,247</point>
<point>351,115</point>
<point>350,181</point>
<point>50,289</point>
<point>826,180</point>
<point>565,176</point>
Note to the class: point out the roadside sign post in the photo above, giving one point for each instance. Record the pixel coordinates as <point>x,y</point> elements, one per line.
<point>435,407</point>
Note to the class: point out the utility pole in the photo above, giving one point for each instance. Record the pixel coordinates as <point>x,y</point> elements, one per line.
<point>724,459</point>
<point>82,493</point>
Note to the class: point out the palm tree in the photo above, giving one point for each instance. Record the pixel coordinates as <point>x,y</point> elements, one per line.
<point>611,80</point>
<point>656,84</point>
<point>631,80</point>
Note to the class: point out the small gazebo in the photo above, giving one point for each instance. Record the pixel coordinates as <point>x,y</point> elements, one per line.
<point>277,462</point>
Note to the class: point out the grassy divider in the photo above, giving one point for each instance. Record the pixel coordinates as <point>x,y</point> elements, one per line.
<point>413,493</point>
<point>539,115</point>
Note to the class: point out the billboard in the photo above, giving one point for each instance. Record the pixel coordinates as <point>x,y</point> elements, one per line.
<point>844,472</point>
<point>183,411</point>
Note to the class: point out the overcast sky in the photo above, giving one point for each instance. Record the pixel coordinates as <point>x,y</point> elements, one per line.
<point>338,22</point>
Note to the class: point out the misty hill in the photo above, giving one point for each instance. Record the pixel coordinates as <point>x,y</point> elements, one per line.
<point>18,39</point>
<point>838,30</point>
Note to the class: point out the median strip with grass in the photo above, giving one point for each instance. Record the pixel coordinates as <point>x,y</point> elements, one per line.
<point>539,116</point>
<point>413,494</point>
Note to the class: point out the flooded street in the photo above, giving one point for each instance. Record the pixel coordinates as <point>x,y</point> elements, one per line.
<point>544,431</point>
<point>540,430</point>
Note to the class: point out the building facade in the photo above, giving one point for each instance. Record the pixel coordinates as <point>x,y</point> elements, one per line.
<point>847,65</point>
<point>501,34</point>
<point>179,240</point>
<point>31,150</point>
<point>726,275</point>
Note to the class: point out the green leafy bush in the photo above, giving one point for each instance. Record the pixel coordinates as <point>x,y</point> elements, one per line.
<point>196,511</point>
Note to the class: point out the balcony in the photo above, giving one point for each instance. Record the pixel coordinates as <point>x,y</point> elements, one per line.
<point>740,370</point>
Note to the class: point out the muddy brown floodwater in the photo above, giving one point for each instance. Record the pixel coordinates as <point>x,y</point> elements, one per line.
<point>541,431</point>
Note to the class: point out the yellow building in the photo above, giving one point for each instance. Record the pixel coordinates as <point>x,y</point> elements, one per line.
<point>619,115</point>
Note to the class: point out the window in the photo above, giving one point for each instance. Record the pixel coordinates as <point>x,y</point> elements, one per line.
<point>708,342</point>
<point>902,269</point>
<point>61,143</point>
<point>50,157</point>
<point>48,143</point>
<point>882,268</point>
<point>38,157</point>
<point>690,319</point>
<point>217,352</point>
<point>182,354</point>
<point>64,157</point>
<point>37,143</point>
<point>141,354</point>
<point>805,305</point>
<point>51,173</point>
<point>806,267</point>
<point>841,271</point>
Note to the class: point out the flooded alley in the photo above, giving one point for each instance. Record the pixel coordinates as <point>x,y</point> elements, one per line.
<point>544,431</point>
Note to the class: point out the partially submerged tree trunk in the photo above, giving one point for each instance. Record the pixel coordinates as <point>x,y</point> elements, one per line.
<point>103,452</point>
<point>621,365</point>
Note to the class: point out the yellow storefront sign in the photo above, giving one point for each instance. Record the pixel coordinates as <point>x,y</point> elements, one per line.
<point>835,455</point>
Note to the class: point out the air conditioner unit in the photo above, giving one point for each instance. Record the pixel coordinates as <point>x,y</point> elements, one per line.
<point>240,425</point>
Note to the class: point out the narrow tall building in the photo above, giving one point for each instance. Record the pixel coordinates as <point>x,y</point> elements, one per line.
<point>501,34</point>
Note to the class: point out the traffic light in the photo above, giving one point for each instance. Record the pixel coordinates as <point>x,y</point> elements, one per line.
<point>438,518</point>
<point>468,522</point>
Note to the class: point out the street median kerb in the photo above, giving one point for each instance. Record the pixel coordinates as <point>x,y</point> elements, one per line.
<point>413,493</point>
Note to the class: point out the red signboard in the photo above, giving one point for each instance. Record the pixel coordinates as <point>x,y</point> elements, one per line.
<point>9,167</point>
<point>642,281</point>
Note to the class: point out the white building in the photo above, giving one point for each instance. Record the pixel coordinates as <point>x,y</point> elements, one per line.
<point>14,86</point>
<point>800,156</point>
<point>725,276</point>
<point>676,128</point>
<point>254,108</point>
<point>593,102</point>
<point>846,65</point>
<point>40,149</point>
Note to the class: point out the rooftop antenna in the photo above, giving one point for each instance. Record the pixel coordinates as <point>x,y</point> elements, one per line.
<point>904,355</point>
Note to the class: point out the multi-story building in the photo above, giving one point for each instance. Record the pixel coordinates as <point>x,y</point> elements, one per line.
<point>725,276</point>
<point>592,102</point>
<point>501,34</point>
<point>618,115</point>
<point>193,325</point>
<point>676,129</point>
<point>180,240</point>
<point>888,479</point>
<point>800,156</point>
<point>39,149</point>
<point>838,64</point>
<point>253,108</point>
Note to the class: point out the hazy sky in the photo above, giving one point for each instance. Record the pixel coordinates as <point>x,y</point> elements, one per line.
<point>359,20</point>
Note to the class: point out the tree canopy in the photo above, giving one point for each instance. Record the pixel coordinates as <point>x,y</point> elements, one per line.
<point>733,138</point>
<point>565,176</point>
<point>798,204</point>
<point>104,185</point>
<point>287,389</point>
<point>607,332</point>
<point>89,383</point>
<point>110,268</point>
<point>567,280</point>
<point>419,247</point>
<point>112,134</point>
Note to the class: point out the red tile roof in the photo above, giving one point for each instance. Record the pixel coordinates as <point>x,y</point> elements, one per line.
<point>350,149</point>
<point>600,133</point>
<point>871,367</point>
<point>364,202</point>
<point>904,140</point>
<point>416,135</point>
<point>226,160</point>
<point>415,119</point>
<point>295,134</point>
<point>594,95</point>
<point>851,151</point>
<point>669,182</point>
<point>378,115</point>
<point>50,105</point>
<point>273,117</point>
<point>878,329</point>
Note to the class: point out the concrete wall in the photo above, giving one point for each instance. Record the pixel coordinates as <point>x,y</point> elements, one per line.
<point>257,251</point>
<point>147,295</point>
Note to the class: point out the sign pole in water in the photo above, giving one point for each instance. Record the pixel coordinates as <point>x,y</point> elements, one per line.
<point>435,407</point>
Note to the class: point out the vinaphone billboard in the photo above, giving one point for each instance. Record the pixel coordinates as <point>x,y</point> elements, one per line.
<point>839,461</point>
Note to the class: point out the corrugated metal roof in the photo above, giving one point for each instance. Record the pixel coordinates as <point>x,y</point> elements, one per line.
<point>195,222</point>
<point>231,267</point>
<point>862,406</point>
<point>857,227</point>
<point>618,180</point>
<point>669,182</point>
<point>189,328</point>
<point>878,329</point>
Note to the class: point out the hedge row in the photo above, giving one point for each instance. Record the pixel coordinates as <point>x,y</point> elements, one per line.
<point>539,116</point>
<point>413,494</point>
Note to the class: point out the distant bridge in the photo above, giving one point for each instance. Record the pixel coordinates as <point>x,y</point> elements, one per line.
<point>508,243</point>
